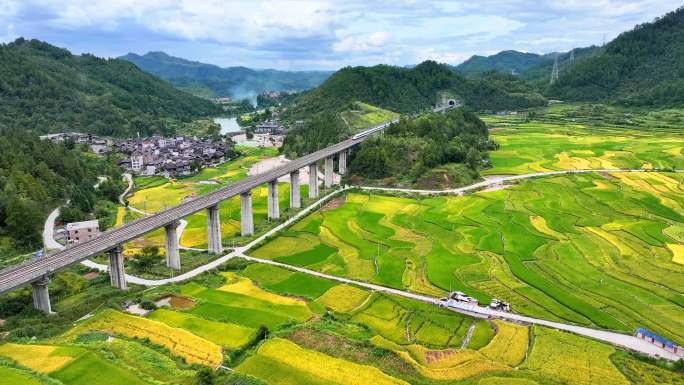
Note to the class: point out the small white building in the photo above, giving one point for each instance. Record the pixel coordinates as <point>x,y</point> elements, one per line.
<point>99,148</point>
<point>137,162</point>
<point>82,231</point>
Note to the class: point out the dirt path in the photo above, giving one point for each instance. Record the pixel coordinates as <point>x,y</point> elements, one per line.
<point>469,334</point>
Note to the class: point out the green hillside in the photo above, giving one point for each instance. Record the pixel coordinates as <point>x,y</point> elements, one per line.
<point>505,62</point>
<point>48,89</point>
<point>407,90</point>
<point>643,66</point>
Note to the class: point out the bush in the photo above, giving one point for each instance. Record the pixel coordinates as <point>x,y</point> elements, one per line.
<point>148,305</point>
<point>205,376</point>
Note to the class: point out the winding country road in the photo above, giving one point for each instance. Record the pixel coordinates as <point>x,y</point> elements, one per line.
<point>618,339</point>
<point>182,224</point>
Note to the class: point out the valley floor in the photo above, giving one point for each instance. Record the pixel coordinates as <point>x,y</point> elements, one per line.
<point>598,249</point>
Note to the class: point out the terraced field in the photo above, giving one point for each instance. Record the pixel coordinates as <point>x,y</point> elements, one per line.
<point>592,249</point>
<point>364,115</point>
<point>527,147</point>
<point>336,334</point>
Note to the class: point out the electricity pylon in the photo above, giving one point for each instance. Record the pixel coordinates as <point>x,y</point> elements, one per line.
<point>554,71</point>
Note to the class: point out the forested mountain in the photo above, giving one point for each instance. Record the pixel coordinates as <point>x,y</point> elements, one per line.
<point>48,89</point>
<point>38,175</point>
<point>526,66</point>
<point>407,90</point>
<point>507,62</point>
<point>213,81</point>
<point>644,66</point>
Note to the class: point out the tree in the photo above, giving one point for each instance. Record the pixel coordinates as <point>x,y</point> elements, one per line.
<point>473,158</point>
<point>205,376</point>
<point>24,220</point>
<point>147,257</point>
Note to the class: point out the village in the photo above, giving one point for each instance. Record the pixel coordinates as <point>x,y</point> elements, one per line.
<point>157,155</point>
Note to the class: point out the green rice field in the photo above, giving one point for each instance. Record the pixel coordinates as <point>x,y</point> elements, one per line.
<point>591,249</point>
<point>557,141</point>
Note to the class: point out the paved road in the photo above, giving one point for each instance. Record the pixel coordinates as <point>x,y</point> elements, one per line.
<point>623,340</point>
<point>502,179</point>
<point>129,179</point>
<point>49,242</point>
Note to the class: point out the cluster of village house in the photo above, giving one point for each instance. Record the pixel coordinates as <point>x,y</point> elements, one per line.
<point>97,145</point>
<point>156,155</point>
<point>171,156</point>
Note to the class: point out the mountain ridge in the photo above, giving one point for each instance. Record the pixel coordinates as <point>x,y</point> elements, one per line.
<point>210,80</point>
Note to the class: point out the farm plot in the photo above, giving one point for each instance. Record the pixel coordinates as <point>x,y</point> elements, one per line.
<point>228,335</point>
<point>595,249</point>
<point>287,282</point>
<point>12,376</point>
<point>143,359</point>
<point>242,303</point>
<point>91,369</point>
<point>504,351</point>
<point>281,362</point>
<point>343,298</point>
<point>70,365</point>
<point>191,348</point>
<point>407,322</point>
<point>41,358</point>
<point>571,359</point>
<point>527,147</point>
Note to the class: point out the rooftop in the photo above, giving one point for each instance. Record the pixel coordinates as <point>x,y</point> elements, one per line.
<point>82,225</point>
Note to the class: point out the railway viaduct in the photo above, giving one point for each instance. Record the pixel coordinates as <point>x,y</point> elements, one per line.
<point>38,270</point>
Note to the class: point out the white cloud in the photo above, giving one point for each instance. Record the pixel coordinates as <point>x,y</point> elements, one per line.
<point>441,56</point>
<point>372,42</point>
<point>9,34</point>
<point>547,40</point>
<point>323,33</point>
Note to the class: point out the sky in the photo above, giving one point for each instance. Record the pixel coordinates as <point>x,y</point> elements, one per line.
<point>320,34</point>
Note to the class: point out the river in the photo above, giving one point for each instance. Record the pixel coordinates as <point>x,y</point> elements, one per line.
<point>228,125</point>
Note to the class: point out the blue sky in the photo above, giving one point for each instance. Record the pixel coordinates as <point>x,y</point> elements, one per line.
<point>299,35</point>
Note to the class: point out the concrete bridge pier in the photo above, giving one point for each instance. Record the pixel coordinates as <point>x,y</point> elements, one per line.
<point>117,274</point>
<point>172,249</point>
<point>342,162</point>
<point>295,198</point>
<point>214,230</point>
<point>313,180</point>
<point>328,172</point>
<point>246,215</point>
<point>41,295</point>
<point>273,208</point>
